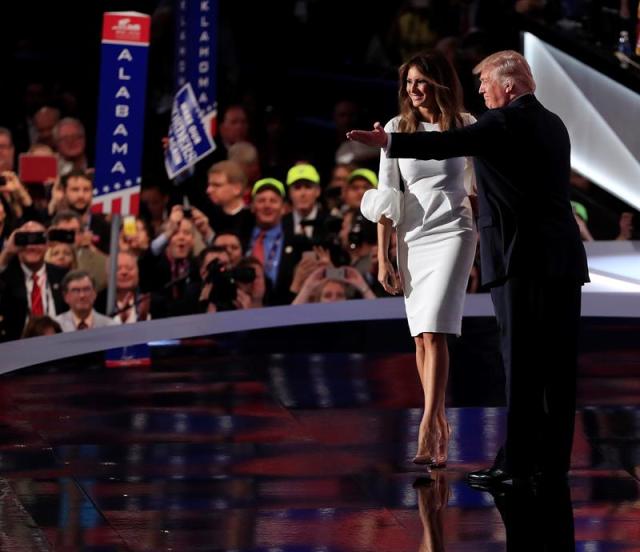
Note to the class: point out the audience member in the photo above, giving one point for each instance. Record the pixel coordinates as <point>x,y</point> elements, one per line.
<point>172,274</point>
<point>270,243</point>
<point>154,201</point>
<point>17,197</point>
<point>41,325</point>
<point>246,155</point>
<point>70,142</point>
<point>28,285</point>
<point>232,244</point>
<point>333,193</point>
<point>79,292</point>
<point>136,240</point>
<point>77,195</point>
<point>307,216</point>
<point>7,150</point>
<point>322,286</point>
<point>131,305</point>
<point>88,257</point>
<point>234,127</point>
<point>61,255</point>
<point>358,182</point>
<point>227,209</point>
<point>44,121</point>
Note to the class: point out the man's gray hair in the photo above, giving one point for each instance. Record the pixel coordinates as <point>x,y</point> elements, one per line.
<point>67,121</point>
<point>74,276</point>
<point>508,66</point>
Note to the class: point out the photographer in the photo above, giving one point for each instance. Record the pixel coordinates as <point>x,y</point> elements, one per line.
<point>329,284</point>
<point>358,238</point>
<point>88,256</point>
<point>28,285</point>
<point>226,288</point>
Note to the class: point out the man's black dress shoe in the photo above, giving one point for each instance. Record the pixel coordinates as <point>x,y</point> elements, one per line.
<point>488,476</point>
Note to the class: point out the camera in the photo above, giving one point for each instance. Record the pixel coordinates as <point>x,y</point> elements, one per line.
<point>361,231</point>
<point>224,289</point>
<point>187,212</point>
<point>326,235</point>
<point>62,236</point>
<point>22,239</point>
<point>3,180</point>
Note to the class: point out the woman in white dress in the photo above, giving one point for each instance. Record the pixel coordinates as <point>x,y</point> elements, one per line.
<point>427,202</point>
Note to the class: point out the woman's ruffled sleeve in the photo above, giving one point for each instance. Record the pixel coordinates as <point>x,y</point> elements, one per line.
<point>387,199</point>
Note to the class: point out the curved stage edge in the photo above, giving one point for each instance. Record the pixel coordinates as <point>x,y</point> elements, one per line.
<point>30,352</point>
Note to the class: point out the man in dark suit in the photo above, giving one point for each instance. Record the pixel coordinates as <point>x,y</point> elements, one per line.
<point>531,254</point>
<point>307,217</point>
<point>28,285</point>
<point>271,243</point>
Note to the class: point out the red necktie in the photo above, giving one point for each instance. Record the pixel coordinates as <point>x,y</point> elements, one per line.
<point>82,325</point>
<point>36,297</point>
<point>258,247</point>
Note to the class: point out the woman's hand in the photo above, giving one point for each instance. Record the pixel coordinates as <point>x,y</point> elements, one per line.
<point>387,277</point>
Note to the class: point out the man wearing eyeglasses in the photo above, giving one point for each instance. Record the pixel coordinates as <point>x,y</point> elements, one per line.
<point>79,292</point>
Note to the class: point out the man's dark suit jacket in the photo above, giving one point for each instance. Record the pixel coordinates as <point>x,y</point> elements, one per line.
<point>278,293</point>
<point>521,159</point>
<point>14,305</point>
<point>318,228</point>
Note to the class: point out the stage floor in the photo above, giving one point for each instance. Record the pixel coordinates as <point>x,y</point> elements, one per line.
<point>299,439</point>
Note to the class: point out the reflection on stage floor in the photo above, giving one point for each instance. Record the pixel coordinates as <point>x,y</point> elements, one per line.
<point>301,440</point>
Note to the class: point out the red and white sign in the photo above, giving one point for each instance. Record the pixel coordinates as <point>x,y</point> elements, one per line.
<point>126,27</point>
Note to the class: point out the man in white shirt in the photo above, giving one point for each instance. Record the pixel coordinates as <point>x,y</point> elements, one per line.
<point>28,285</point>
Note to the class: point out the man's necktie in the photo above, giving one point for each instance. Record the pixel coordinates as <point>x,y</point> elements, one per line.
<point>82,325</point>
<point>258,247</point>
<point>36,297</point>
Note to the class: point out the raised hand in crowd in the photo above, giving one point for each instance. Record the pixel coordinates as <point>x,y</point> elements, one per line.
<point>310,285</point>
<point>134,237</point>
<point>173,222</point>
<point>16,192</point>
<point>201,222</point>
<point>9,250</point>
<point>355,279</point>
<point>57,197</point>
<point>311,261</point>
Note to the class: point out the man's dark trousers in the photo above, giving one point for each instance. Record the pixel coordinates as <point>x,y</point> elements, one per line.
<point>538,320</point>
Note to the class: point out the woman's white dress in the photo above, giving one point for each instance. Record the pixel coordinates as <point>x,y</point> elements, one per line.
<point>435,231</point>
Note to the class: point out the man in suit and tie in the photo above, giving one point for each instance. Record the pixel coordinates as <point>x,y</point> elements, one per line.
<point>271,242</point>
<point>307,216</point>
<point>531,254</point>
<point>28,285</point>
<point>79,292</point>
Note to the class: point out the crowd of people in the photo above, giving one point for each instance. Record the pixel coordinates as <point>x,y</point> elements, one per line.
<point>271,217</point>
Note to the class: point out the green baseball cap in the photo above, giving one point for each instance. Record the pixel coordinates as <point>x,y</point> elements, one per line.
<point>367,174</point>
<point>272,183</point>
<point>303,171</point>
